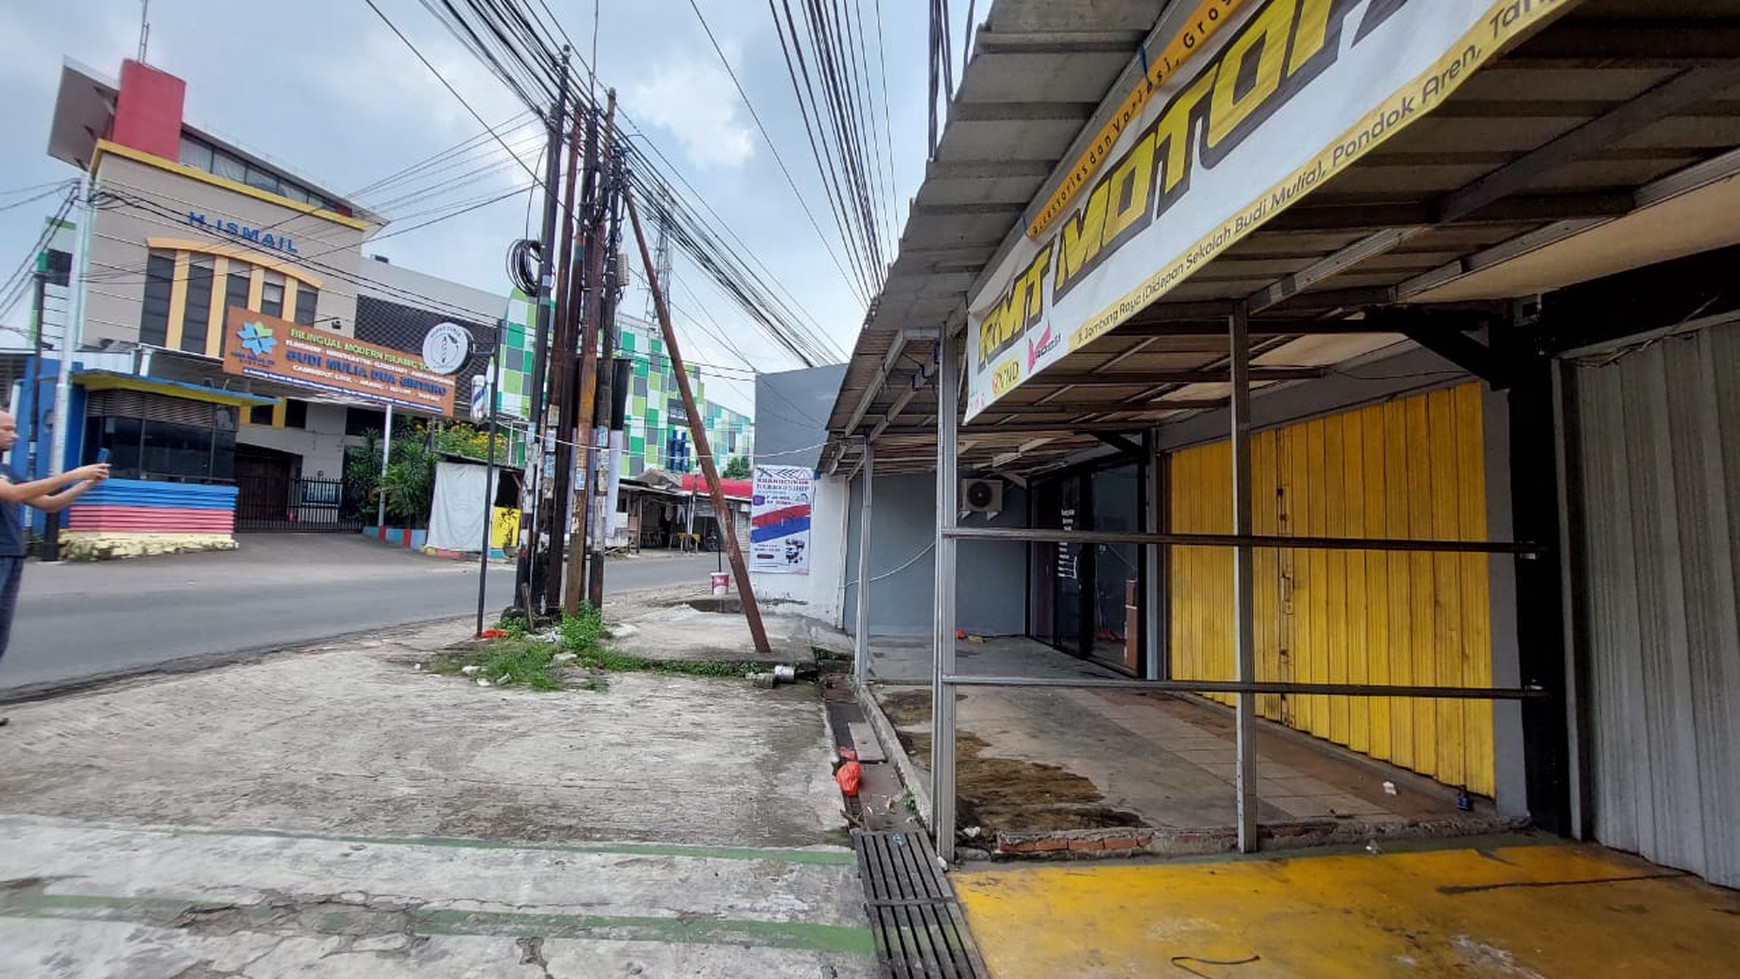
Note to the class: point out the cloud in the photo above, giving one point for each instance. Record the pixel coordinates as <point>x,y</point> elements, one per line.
<point>694,99</point>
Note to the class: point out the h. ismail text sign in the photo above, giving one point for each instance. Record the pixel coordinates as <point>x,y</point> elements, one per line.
<point>1283,96</point>
<point>273,349</point>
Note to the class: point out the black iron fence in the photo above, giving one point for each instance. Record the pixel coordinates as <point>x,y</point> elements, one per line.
<point>267,503</point>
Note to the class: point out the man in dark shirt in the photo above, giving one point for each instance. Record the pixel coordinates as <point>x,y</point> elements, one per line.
<point>44,494</point>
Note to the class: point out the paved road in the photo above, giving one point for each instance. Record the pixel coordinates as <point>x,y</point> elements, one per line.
<point>77,621</point>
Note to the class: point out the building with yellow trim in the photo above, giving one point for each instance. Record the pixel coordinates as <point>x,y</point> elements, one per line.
<point>185,226</point>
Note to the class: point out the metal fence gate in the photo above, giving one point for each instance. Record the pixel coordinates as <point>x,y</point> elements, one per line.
<point>267,503</point>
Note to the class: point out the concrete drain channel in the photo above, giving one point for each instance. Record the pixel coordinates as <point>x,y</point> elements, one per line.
<point>919,929</point>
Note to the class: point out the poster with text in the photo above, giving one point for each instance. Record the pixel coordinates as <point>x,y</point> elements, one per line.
<point>779,520</point>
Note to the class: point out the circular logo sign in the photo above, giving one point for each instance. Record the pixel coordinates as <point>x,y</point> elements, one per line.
<point>446,348</point>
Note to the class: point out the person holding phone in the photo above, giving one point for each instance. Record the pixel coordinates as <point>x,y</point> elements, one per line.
<point>50,495</point>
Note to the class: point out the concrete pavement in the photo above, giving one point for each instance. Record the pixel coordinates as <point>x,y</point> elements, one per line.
<point>336,811</point>
<point>78,621</point>
<point>89,900</point>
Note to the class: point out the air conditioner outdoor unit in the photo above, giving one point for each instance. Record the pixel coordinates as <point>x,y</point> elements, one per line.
<point>982,496</point>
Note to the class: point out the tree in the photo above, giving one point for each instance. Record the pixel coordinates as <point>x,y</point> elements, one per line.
<point>736,467</point>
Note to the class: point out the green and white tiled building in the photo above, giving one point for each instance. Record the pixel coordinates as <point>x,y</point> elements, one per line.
<point>658,435</point>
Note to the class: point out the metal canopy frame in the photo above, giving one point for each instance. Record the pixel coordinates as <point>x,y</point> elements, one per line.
<point>1244,542</point>
<point>1422,221</point>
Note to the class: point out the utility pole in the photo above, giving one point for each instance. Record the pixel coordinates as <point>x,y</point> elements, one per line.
<point>541,445</point>
<point>609,409</point>
<point>698,428</point>
<point>583,423</point>
<point>33,457</point>
<point>53,268</point>
<point>562,352</point>
<point>71,336</point>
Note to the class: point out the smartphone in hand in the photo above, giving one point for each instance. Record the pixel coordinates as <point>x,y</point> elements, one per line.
<point>102,456</point>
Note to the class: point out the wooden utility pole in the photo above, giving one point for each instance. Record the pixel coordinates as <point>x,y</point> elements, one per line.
<point>608,413</point>
<point>562,364</point>
<point>588,377</point>
<point>698,431</point>
<point>526,576</point>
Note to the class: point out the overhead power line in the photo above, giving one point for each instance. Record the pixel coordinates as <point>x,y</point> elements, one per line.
<point>859,287</point>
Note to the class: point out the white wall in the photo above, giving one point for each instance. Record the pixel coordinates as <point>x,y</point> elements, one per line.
<point>819,592</point>
<point>321,444</point>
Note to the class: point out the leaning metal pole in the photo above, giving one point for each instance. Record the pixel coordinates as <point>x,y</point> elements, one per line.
<point>861,664</point>
<point>698,430</point>
<point>1244,577</point>
<point>942,696</point>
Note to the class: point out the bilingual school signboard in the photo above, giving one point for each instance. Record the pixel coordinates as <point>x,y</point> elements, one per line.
<point>1277,99</point>
<point>273,349</point>
<point>779,519</point>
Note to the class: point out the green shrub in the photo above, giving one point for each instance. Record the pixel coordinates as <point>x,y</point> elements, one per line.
<point>583,631</point>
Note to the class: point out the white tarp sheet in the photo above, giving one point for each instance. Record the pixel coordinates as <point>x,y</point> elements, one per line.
<point>457,518</point>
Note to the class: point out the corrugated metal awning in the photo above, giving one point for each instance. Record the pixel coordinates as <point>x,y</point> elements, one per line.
<point>1609,139</point>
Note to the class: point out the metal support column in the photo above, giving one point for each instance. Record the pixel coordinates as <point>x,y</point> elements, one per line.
<point>861,648</point>
<point>942,696</point>
<point>381,490</point>
<point>1244,577</point>
<point>1154,623</point>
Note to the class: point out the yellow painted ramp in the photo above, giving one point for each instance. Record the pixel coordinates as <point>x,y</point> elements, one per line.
<point>1523,911</point>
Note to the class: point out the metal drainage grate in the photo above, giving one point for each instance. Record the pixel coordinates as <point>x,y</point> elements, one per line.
<point>920,931</point>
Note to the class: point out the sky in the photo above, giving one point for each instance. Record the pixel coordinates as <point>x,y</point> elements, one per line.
<point>324,87</point>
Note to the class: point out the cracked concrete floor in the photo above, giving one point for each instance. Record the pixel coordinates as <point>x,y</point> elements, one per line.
<point>336,813</point>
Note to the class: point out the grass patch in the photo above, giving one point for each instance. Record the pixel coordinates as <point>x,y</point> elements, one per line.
<point>583,632</point>
<point>504,663</point>
<point>517,660</point>
<point>615,662</point>
<point>528,665</point>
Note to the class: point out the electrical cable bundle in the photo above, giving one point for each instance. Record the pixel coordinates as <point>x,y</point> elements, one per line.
<point>524,257</point>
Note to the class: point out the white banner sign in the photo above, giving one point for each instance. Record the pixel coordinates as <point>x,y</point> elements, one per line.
<point>1281,98</point>
<point>779,520</point>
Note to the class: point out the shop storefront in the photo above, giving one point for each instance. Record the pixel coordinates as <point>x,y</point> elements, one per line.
<point>1420,365</point>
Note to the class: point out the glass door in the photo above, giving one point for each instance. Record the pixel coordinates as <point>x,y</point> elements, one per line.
<point>1117,575</point>
<point>1073,572</point>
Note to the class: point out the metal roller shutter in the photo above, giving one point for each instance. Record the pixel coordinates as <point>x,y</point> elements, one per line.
<point>1653,460</point>
<point>1414,467</point>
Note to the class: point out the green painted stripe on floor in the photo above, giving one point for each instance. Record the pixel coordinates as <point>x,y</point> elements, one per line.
<point>32,902</point>
<point>822,855</point>
<point>844,939</point>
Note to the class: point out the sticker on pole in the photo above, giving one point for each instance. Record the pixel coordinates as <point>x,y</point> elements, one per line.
<point>779,520</point>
